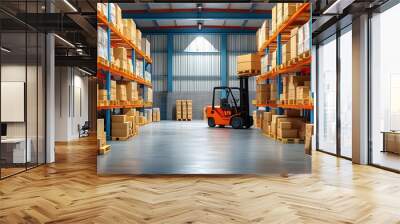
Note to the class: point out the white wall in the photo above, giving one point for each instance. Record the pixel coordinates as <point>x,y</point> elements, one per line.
<point>71,103</point>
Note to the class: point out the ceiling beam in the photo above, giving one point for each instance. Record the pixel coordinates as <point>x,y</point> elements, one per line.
<point>205,29</point>
<point>193,14</point>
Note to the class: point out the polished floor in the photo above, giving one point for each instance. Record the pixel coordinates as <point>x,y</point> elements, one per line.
<point>386,159</point>
<point>70,191</point>
<point>176,147</point>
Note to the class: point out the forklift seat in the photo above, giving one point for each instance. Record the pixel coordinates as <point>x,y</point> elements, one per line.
<point>225,104</point>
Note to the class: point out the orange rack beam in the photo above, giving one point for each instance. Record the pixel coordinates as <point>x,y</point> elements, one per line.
<point>301,16</point>
<point>118,73</point>
<point>119,106</point>
<point>301,64</point>
<point>288,106</point>
<point>118,39</point>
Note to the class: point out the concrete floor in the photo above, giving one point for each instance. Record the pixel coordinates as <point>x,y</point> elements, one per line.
<point>172,147</point>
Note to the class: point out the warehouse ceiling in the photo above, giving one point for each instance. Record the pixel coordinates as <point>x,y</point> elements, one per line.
<point>167,16</point>
<point>73,22</point>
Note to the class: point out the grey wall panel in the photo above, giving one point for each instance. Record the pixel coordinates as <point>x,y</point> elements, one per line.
<point>157,42</point>
<point>195,72</point>
<point>159,72</point>
<point>242,43</point>
<point>197,43</point>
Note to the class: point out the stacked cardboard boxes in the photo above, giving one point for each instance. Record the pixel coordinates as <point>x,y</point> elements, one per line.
<point>273,91</point>
<point>293,83</point>
<point>279,15</point>
<point>179,110</point>
<point>273,20</point>
<point>273,59</point>
<point>293,43</point>
<point>288,10</point>
<point>248,65</point>
<point>113,92</point>
<point>303,39</point>
<point>139,39</point>
<point>266,122</point>
<point>189,109</point>
<point>308,138</point>
<point>284,126</point>
<point>121,92</point>
<point>139,68</point>
<point>262,93</point>
<point>130,29</point>
<point>101,138</point>
<point>263,33</point>
<point>120,127</point>
<point>286,50</point>
<point>102,43</point>
<point>156,115</point>
<point>265,64</point>
<point>131,91</point>
<point>145,46</point>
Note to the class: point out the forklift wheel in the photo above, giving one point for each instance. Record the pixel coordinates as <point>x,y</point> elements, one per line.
<point>211,122</point>
<point>237,122</point>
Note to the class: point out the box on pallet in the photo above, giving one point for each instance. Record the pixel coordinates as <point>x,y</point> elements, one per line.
<point>308,138</point>
<point>130,29</point>
<point>279,15</point>
<point>113,90</point>
<point>131,91</point>
<point>265,65</point>
<point>248,64</point>
<point>293,42</point>
<point>296,130</point>
<point>273,20</point>
<point>263,33</point>
<point>262,93</point>
<point>100,132</point>
<point>139,39</point>
<point>102,43</point>
<point>273,91</point>
<point>120,126</point>
<point>286,49</point>
<point>273,59</point>
<point>139,68</point>
<point>288,10</point>
<point>121,92</point>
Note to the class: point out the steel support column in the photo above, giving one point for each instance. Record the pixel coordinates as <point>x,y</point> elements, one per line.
<point>170,51</point>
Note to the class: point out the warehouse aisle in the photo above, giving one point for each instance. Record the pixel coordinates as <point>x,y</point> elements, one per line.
<point>171,147</point>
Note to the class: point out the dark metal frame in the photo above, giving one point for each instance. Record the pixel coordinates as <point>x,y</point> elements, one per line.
<point>44,79</point>
<point>387,5</point>
<point>337,34</point>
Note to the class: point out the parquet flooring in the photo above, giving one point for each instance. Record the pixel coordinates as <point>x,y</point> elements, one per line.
<point>69,191</point>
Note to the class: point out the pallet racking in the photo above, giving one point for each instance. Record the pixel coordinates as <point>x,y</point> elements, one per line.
<point>105,71</point>
<point>301,64</point>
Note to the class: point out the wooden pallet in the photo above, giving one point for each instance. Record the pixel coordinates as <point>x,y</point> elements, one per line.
<point>291,102</point>
<point>251,72</point>
<point>123,102</point>
<point>102,103</point>
<point>112,102</point>
<point>104,149</point>
<point>183,119</point>
<point>293,61</point>
<point>120,138</point>
<point>304,55</point>
<point>303,102</point>
<point>290,140</point>
<point>102,61</point>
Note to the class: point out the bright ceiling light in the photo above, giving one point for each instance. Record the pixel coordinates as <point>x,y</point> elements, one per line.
<point>5,50</point>
<point>70,5</point>
<point>65,41</point>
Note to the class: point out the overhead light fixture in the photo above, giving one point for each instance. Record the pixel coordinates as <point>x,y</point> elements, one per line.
<point>5,50</point>
<point>337,7</point>
<point>65,41</point>
<point>199,25</point>
<point>84,71</point>
<point>199,6</point>
<point>70,5</point>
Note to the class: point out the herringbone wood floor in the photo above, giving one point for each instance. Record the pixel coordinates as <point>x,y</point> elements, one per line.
<point>69,191</point>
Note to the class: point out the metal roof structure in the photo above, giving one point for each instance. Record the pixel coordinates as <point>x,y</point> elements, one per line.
<point>197,17</point>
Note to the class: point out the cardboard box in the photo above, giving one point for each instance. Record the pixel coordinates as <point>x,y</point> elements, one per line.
<point>288,10</point>
<point>139,39</point>
<point>273,21</point>
<point>308,145</point>
<point>285,125</point>
<point>118,118</point>
<point>292,113</point>
<point>287,133</point>
<point>274,123</point>
<point>293,42</point>
<point>120,53</point>
<point>309,129</point>
<point>121,92</point>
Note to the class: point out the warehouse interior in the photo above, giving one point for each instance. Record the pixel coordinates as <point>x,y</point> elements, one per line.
<point>98,128</point>
<point>189,49</point>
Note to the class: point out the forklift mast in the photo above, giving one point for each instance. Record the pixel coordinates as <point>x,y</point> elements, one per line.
<point>244,98</point>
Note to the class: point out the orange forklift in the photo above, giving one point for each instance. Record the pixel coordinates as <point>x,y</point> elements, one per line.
<point>233,110</point>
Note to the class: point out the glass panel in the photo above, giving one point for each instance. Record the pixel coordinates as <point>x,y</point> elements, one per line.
<point>346,92</point>
<point>385,84</point>
<point>327,95</point>
<point>41,100</point>
<point>14,153</point>
<point>31,97</point>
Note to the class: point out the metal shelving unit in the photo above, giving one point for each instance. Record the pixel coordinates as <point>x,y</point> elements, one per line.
<point>105,71</point>
<point>303,64</point>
